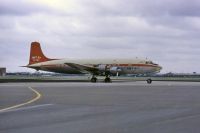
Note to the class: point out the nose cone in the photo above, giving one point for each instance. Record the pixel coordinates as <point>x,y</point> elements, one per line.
<point>158,68</point>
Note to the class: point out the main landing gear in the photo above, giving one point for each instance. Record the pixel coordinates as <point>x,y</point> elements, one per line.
<point>93,79</point>
<point>106,80</point>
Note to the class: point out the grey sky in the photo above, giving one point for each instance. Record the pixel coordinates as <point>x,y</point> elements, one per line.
<point>166,31</point>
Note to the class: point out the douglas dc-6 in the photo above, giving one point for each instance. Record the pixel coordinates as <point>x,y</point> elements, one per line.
<point>95,67</point>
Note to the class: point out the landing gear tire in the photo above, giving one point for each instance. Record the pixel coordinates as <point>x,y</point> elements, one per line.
<point>107,80</point>
<point>149,81</point>
<point>94,80</point>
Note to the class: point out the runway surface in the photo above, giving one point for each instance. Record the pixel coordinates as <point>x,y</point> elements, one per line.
<point>125,107</point>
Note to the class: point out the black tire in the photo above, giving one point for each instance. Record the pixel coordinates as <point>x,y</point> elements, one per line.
<point>149,81</point>
<point>107,80</point>
<point>93,80</point>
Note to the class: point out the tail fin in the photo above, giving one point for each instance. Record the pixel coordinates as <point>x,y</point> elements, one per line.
<point>36,54</point>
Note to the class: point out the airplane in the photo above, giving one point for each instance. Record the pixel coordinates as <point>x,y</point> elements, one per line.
<point>95,67</point>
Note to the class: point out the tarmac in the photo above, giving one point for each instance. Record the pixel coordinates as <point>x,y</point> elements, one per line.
<point>83,107</point>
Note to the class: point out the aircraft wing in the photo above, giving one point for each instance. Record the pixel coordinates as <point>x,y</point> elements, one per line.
<point>83,68</point>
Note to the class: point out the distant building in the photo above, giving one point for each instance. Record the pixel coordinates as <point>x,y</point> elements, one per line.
<point>2,71</point>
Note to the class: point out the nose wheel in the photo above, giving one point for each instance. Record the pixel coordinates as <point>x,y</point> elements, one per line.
<point>149,81</point>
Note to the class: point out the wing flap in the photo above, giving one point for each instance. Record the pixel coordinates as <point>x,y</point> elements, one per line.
<point>83,68</point>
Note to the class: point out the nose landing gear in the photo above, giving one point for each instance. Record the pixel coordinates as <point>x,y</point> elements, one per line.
<point>149,81</point>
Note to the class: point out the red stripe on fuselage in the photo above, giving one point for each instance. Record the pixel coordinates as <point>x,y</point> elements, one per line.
<point>138,65</point>
<point>122,65</point>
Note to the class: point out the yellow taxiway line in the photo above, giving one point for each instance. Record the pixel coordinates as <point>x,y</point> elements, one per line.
<point>38,96</point>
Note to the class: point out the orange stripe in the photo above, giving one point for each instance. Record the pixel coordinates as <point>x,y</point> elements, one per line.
<point>123,65</point>
<point>144,65</point>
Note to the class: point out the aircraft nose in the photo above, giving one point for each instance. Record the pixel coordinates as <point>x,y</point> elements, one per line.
<point>158,68</point>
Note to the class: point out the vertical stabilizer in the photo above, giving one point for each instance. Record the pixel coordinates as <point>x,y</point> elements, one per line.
<point>36,54</point>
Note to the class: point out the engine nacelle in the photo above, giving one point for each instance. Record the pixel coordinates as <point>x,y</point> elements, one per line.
<point>115,70</point>
<point>102,67</point>
<point>106,69</point>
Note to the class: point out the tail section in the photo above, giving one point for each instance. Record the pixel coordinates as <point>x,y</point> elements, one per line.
<point>36,54</point>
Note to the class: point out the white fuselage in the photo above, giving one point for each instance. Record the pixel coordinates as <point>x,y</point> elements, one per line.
<point>120,66</point>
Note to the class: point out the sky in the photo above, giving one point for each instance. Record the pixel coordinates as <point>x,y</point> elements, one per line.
<point>165,31</point>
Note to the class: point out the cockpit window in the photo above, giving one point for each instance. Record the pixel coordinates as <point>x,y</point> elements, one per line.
<point>150,62</point>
